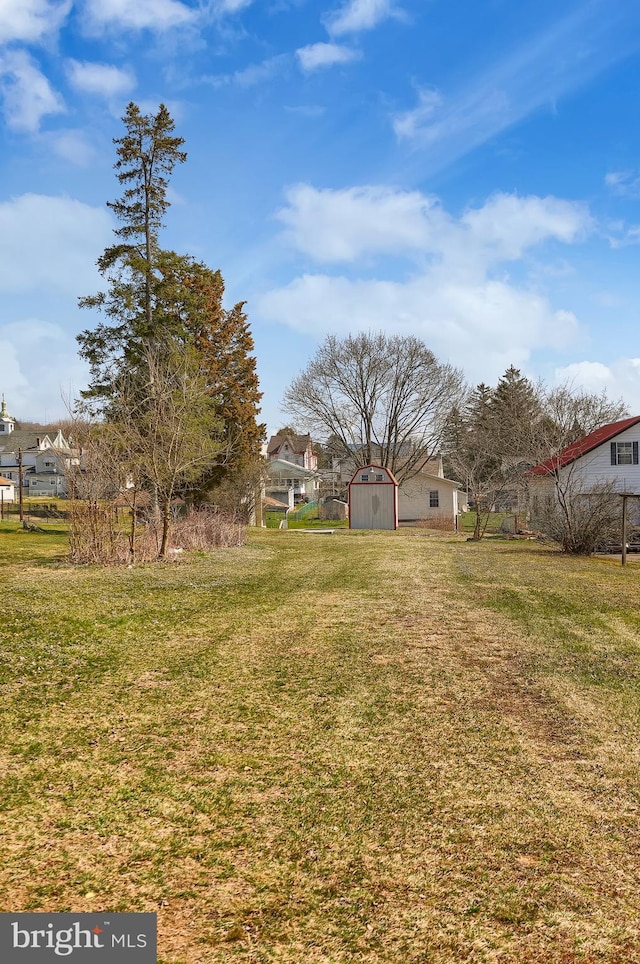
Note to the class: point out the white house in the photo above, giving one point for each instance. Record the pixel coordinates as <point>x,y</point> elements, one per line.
<point>7,491</point>
<point>429,496</point>
<point>291,483</point>
<point>45,459</point>
<point>608,456</point>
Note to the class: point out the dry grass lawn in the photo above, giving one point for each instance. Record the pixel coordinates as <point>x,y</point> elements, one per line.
<point>360,747</point>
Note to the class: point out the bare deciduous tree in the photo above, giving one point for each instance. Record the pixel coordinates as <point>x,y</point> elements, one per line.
<point>577,514</point>
<point>382,399</point>
<point>166,429</point>
<point>501,433</point>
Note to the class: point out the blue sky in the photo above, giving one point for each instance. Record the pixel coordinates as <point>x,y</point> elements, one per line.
<point>464,170</point>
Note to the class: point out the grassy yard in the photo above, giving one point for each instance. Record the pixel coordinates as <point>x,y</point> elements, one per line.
<point>359,747</point>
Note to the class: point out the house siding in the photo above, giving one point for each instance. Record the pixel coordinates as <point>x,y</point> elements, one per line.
<point>595,467</point>
<point>414,500</point>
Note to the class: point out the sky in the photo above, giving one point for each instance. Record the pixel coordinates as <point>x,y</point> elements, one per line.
<point>467,171</point>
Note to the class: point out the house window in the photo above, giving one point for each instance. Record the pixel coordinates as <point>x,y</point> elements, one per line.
<point>434,499</point>
<point>364,477</point>
<point>379,477</point>
<point>624,453</point>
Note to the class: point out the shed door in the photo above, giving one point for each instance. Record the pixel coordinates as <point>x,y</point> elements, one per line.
<point>372,506</point>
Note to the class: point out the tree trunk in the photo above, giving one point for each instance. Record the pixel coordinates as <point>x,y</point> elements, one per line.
<point>132,531</point>
<point>166,514</point>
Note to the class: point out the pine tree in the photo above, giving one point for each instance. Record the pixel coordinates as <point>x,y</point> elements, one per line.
<point>161,305</point>
<point>147,154</point>
<point>515,406</point>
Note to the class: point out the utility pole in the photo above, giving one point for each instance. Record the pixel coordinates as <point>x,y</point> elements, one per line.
<point>20,497</point>
<point>625,496</point>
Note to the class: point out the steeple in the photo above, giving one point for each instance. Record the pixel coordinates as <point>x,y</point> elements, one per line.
<point>7,423</point>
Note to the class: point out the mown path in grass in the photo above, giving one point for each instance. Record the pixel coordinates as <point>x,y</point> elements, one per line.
<point>359,747</point>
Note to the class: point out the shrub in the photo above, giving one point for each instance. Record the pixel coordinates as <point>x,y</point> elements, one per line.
<point>208,528</point>
<point>581,522</point>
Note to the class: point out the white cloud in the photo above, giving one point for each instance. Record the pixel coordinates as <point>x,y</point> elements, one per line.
<point>31,20</point>
<point>620,379</point>
<point>315,56</point>
<point>343,225</point>
<point>33,353</point>
<point>358,15</point>
<point>253,75</point>
<point>472,325</point>
<point>619,234</point>
<point>346,224</point>
<point>409,123</point>
<point>26,92</point>
<point>624,183</point>
<point>510,224</point>
<point>231,6</point>
<point>104,80</point>
<point>72,146</point>
<point>155,15</point>
<point>51,242</point>
<point>48,249</point>
<point>456,293</point>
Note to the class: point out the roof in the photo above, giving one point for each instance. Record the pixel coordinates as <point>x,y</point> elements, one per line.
<point>299,443</point>
<point>4,481</point>
<point>21,439</point>
<point>431,478</point>
<point>270,503</point>
<point>280,468</point>
<point>377,468</point>
<point>583,445</point>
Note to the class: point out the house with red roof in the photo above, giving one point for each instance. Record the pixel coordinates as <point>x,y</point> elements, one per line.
<point>609,456</point>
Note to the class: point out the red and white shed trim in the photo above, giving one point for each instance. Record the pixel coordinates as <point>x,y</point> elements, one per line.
<point>373,498</point>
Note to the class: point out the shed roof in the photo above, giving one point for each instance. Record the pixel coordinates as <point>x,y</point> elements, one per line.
<point>377,468</point>
<point>583,445</point>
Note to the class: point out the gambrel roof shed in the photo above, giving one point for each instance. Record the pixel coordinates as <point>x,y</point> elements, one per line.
<point>373,498</point>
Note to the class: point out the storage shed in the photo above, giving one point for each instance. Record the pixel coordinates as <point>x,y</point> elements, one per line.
<point>373,498</point>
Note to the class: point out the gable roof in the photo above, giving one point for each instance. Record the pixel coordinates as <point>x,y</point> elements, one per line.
<point>432,479</point>
<point>24,439</point>
<point>299,443</point>
<point>583,445</point>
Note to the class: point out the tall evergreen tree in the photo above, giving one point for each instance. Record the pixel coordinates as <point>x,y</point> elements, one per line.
<point>146,156</point>
<point>159,304</point>
<point>515,407</point>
